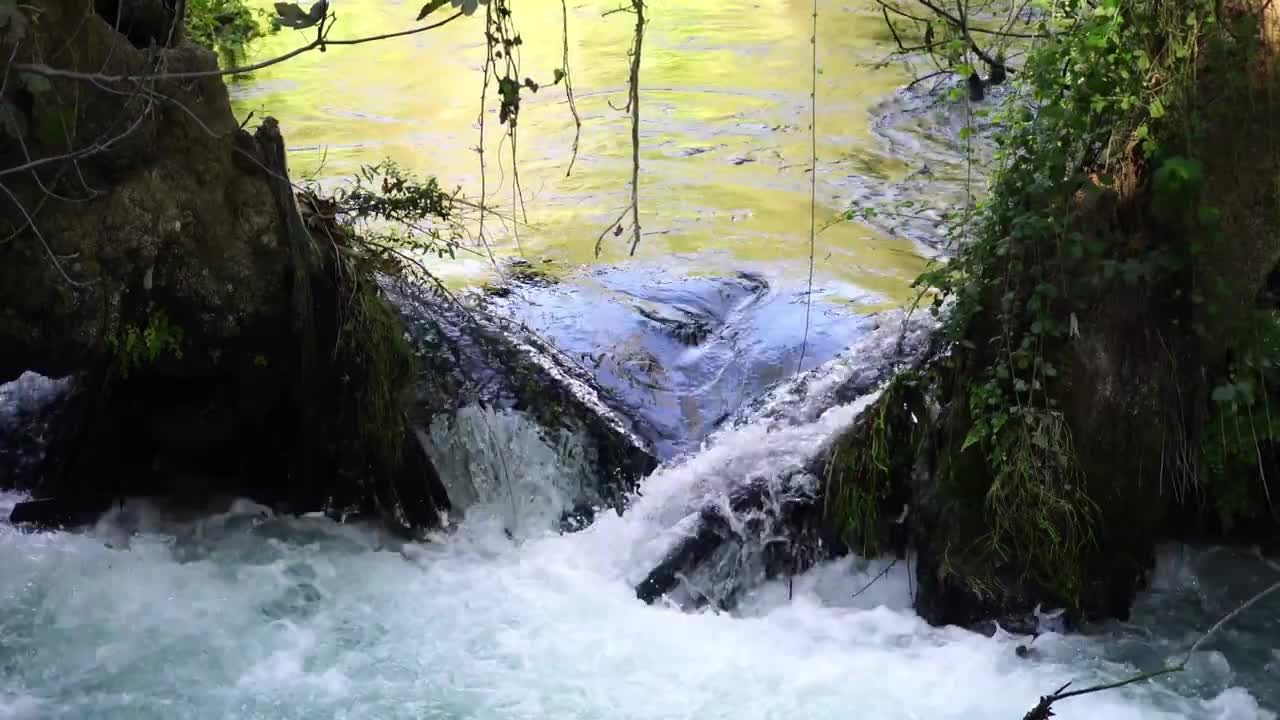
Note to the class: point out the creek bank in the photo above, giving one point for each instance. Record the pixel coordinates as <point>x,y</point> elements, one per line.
<point>1102,382</point>
<point>220,335</point>
<point>1106,364</point>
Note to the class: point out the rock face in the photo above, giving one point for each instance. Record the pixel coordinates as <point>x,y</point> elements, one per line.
<point>153,250</point>
<point>147,257</point>
<point>159,210</point>
<point>769,477</point>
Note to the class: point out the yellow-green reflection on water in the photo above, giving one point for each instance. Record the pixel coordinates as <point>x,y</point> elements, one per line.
<point>725,120</point>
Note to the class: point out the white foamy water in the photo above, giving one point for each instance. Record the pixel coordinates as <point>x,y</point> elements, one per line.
<point>300,618</point>
<point>243,615</point>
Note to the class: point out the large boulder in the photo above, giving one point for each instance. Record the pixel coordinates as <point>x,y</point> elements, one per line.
<point>155,206</point>
<point>512,424</point>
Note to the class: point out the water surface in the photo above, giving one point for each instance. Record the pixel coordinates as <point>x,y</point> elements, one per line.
<point>725,142</point>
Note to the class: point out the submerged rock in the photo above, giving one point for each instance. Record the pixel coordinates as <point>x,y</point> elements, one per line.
<point>683,353</point>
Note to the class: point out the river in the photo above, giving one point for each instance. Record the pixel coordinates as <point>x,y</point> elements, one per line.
<point>241,614</point>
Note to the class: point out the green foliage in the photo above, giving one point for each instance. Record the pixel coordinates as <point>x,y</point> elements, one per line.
<point>386,225</point>
<point>290,15</point>
<point>1102,97</point>
<point>1240,437</point>
<point>863,467</point>
<point>1038,513</point>
<point>402,220</point>
<point>225,26</point>
<point>379,362</point>
<point>138,347</point>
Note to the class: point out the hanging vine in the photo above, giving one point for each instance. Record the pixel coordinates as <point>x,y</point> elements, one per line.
<point>564,74</point>
<point>637,8</point>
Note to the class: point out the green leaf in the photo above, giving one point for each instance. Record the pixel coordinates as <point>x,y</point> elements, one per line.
<point>1157,108</point>
<point>290,15</point>
<point>972,438</point>
<point>559,75</point>
<point>431,7</point>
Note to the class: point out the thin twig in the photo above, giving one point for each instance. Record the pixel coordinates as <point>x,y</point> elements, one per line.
<point>813,183</point>
<point>320,41</point>
<point>612,225</point>
<point>53,258</point>
<point>873,580</point>
<point>634,102</point>
<point>1042,709</point>
<point>568,88</point>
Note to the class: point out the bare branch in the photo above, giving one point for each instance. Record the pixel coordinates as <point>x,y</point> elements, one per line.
<point>1042,710</point>
<point>320,42</point>
<point>634,103</point>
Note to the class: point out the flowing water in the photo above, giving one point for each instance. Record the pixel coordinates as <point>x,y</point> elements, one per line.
<point>725,143</point>
<point>235,613</point>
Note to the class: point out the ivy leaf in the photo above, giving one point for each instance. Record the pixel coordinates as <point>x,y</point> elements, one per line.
<point>1157,108</point>
<point>469,6</point>
<point>290,15</point>
<point>431,7</point>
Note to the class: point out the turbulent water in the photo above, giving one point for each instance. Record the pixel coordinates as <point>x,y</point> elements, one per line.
<point>236,613</point>
<point>242,615</point>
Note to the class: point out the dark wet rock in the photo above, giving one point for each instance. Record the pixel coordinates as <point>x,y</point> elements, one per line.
<point>29,407</point>
<point>763,533</point>
<point>689,329</point>
<point>681,353</point>
<point>775,526</point>
<point>198,315</point>
<point>163,218</point>
<point>497,406</point>
<point>577,518</point>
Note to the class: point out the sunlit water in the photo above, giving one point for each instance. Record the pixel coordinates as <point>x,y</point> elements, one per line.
<point>725,142</point>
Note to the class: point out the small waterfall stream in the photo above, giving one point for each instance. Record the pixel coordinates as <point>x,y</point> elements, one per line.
<point>235,612</point>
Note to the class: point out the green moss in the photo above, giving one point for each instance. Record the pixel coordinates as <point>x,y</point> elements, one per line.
<point>1038,516</point>
<point>379,368</point>
<point>868,464</point>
